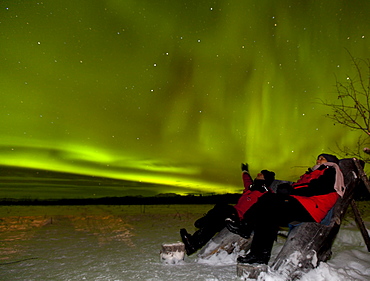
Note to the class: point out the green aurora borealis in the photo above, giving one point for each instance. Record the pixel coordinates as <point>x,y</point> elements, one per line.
<point>176,93</point>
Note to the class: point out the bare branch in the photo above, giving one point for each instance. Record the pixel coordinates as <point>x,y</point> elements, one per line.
<point>352,108</point>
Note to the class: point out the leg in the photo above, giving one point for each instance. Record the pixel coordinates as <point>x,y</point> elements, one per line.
<point>265,217</point>
<point>217,215</point>
<point>209,225</point>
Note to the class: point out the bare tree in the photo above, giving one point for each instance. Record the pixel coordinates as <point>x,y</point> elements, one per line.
<point>352,109</point>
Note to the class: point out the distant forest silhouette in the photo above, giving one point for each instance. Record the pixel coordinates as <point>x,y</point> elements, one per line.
<point>160,199</point>
<point>361,194</point>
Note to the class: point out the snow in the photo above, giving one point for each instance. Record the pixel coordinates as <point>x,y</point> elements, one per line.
<point>124,243</point>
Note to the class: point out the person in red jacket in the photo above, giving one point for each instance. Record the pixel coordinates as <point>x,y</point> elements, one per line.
<point>253,189</point>
<point>214,220</point>
<point>307,200</point>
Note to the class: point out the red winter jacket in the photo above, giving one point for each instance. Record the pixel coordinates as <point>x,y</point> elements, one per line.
<point>315,191</point>
<point>248,198</point>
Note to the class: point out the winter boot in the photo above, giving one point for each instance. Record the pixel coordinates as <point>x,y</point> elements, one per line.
<point>196,241</point>
<point>234,225</point>
<point>260,258</point>
<point>187,239</point>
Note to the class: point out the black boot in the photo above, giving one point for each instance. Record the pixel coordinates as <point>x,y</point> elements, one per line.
<point>187,239</point>
<point>260,258</point>
<point>234,225</point>
<point>196,241</point>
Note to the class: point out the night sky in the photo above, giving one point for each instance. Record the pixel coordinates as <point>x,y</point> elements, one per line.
<point>174,93</point>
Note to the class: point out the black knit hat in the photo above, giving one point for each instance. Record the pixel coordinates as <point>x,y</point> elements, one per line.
<point>269,177</point>
<point>329,158</point>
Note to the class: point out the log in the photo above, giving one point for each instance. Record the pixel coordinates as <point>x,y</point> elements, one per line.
<point>250,271</point>
<point>172,253</point>
<point>360,224</point>
<point>227,241</point>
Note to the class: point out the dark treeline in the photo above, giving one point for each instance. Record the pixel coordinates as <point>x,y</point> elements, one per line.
<point>127,200</point>
<point>361,194</point>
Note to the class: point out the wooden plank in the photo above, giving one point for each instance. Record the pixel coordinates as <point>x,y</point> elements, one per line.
<point>250,271</point>
<point>360,224</point>
<point>306,245</point>
<point>227,241</point>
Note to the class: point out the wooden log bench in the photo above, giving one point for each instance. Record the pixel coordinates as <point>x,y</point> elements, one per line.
<point>308,243</point>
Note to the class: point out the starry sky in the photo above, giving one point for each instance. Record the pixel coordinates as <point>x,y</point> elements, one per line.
<point>174,94</point>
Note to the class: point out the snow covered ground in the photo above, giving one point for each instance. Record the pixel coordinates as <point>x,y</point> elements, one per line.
<point>123,243</point>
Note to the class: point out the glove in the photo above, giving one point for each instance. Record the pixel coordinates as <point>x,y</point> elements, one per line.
<point>245,167</point>
<point>284,188</point>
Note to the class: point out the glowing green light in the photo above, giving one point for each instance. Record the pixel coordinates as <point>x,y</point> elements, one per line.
<point>172,94</point>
